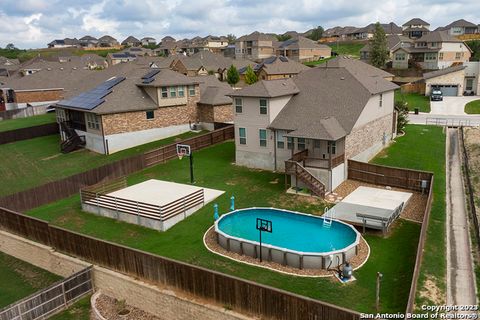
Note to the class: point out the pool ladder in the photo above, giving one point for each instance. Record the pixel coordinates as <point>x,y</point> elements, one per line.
<point>327,218</point>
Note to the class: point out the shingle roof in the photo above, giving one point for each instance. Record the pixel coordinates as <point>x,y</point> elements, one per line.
<point>212,91</point>
<point>167,77</point>
<point>301,43</point>
<point>268,89</point>
<point>107,38</point>
<point>461,23</point>
<point>329,102</point>
<point>211,61</point>
<point>88,38</point>
<point>389,28</point>
<point>441,72</point>
<point>392,41</point>
<point>130,39</point>
<point>438,36</point>
<point>256,36</point>
<point>416,21</point>
<point>281,65</point>
<point>356,66</point>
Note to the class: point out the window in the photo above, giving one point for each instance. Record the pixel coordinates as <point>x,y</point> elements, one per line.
<point>400,56</point>
<point>316,144</point>
<point>92,121</point>
<point>263,106</point>
<point>469,84</point>
<point>301,144</point>
<point>164,92</point>
<point>430,56</point>
<point>457,55</point>
<point>238,105</point>
<point>280,139</point>
<point>332,147</point>
<point>173,92</point>
<point>380,101</point>
<point>242,133</point>
<point>191,91</point>
<point>263,137</point>
<point>440,56</point>
<point>150,115</point>
<point>181,91</point>
<point>289,143</point>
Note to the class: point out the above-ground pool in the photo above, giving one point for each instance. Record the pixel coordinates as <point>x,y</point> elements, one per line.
<point>299,240</point>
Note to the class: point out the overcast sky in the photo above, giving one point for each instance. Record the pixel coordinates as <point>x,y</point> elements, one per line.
<point>34,23</point>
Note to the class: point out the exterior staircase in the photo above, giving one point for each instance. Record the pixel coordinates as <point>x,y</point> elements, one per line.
<point>73,140</point>
<point>295,168</point>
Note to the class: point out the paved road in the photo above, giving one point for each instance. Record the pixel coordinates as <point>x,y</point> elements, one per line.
<point>451,105</point>
<point>460,276</point>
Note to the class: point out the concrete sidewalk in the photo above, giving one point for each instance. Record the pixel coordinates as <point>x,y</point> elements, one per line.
<point>460,276</point>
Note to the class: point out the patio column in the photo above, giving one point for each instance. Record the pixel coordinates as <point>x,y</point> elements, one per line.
<point>329,155</point>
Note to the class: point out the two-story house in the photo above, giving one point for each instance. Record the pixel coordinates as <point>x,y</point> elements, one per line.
<point>255,46</point>
<point>303,49</point>
<point>460,27</point>
<point>310,125</point>
<point>434,50</point>
<point>415,28</point>
<point>138,106</point>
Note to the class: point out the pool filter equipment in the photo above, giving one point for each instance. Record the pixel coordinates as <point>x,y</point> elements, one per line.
<point>346,272</point>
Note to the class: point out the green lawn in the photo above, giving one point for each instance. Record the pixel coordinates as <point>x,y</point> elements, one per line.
<point>347,48</point>
<point>423,148</point>
<point>20,279</point>
<point>6,125</point>
<point>214,168</point>
<point>473,107</point>
<point>414,100</point>
<point>318,62</point>
<point>29,163</point>
<point>80,310</point>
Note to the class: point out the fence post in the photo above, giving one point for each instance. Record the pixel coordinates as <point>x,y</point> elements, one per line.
<point>19,312</point>
<point>98,205</point>
<point>138,214</point>
<point>64,295</point>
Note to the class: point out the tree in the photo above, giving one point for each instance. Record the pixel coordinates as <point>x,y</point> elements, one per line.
<point>250,76</point>
<point>316,34</point>
<point>283,37</point>
<point>10,46</point>
<point>402,116</point>
<point>232,75</point>
<point>378,47</point>
<point>231,38</point>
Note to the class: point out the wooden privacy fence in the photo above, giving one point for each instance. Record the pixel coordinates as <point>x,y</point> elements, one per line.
<point>56,190</point>
<point>23,112</point>
<point>53,299</point>
<point>28,133</point>
<point>96,195</point>
<point>389,176</point>
<point>241,295</point>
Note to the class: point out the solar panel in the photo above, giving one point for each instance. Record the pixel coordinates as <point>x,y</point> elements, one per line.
<point>283,59</point>
<point>148,80</point>
<point>150,74</point>
<point>93,98</point>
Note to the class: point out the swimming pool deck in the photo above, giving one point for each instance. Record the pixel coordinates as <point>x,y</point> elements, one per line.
<point>375,202</point>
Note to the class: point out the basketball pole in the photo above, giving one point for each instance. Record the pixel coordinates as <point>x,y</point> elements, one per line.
<point>192,179</point>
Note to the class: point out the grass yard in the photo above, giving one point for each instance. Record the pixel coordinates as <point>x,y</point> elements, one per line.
<point>393,256</point>
<point>29,163</point>
<point>414,100</point>
<point>473,107</point>
<point>20,279</point>
<point>80,310</point>
<point>12,124</point>
<point>423,148</point>
<point>347,48</point>
<point>318,62</point>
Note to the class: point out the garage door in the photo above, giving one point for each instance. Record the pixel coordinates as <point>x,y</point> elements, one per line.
<point>447,90</point>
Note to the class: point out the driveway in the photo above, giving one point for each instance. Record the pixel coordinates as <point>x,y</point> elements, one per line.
<point>451,105</point>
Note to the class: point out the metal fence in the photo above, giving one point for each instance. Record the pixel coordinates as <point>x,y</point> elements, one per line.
<point>53,299</point>
<point>241,295</point>
<point>28,133</point>
<point>449,122</point>
<point>56,190</point>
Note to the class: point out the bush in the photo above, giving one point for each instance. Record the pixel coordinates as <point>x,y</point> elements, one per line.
<point>402,116</point>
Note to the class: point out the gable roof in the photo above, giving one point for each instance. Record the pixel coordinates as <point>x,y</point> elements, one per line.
<point>268,89</point>
<point>107,38</point>
<point>300,42</point>
<point>460,23</point>
<point>416,21</point>
<point>256,36</point>
<point>441,72</point>
<point>167,77</point>
<point>393,40</point>
<point>212,91</point>
<point>131,39</point>
<point>88,38</point>
<point>280,65</point>
<point>438,36</point>
<point>356,67</point>
<point>389,28</point>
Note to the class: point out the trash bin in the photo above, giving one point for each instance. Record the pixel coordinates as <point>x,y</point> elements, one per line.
<point>416,110</point>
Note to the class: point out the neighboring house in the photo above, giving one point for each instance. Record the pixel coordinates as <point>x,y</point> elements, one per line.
<point>275,68</point>
<point>167,47</point>
<point>131,41</point>
<point>138,51</point>
<point>120,57</point>
<point>8,67</point>
<point>303,49</point>
<point>148,41</point>
<point>472,77</point>
<point>255,46</point>
<point>64,43</point>
<point>88,42</point>
<point>134,108</point>
<point>107,41</point>
<point>394,41</point>
<point>368,31</point>
<point>460,27</point>
<point>435,50</point>
<point>309,126</point>
<point>340,33</point>
<point>415,28</point>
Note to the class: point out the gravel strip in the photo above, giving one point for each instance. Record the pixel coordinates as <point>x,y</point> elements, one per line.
<point>109,307</point>
<point>414,210</point>
<point>358,260</point>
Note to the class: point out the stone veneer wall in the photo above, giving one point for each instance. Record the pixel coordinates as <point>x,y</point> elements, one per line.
<point>209,113</point>
<point>162,302</point>
<point>37,96</point>
<point>164,117</point>
<point>365,142</point>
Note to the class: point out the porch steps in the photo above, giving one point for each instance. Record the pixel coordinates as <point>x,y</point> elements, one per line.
<point>315,185</point>
<point>73,141</point>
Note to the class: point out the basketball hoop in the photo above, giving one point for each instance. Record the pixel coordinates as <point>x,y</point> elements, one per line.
<point>180,155</point>
<point>183,150</point>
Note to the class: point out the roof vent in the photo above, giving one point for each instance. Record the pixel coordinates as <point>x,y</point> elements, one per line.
<point>49,69</point>
<point>61,68</point>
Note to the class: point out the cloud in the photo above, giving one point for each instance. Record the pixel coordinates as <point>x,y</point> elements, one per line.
<point>34,23</point>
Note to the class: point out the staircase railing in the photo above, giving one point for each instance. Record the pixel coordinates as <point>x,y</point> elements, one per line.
<point>73,141</point>
<point>315,185</point>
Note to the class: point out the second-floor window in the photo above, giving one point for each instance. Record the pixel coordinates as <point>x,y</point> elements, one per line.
<point>262,137</point>
<point>301,144</point>
<point>458,55</point>
<point>164,92</point>
<point>380,102</point>
<point>173,92</point>
<point>263,106</point>
<point>238,105</point>
<point>280,139</point>
<point>242,134</point>
<point>400,56</point>
<point>332,147</point>
<point>181,91</point>
<point>289,143</point>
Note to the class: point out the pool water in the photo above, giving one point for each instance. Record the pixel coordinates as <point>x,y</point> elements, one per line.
<point>291,230</point>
